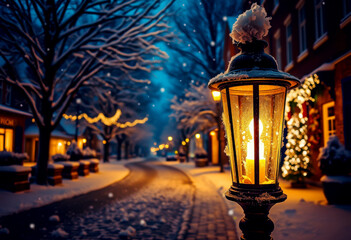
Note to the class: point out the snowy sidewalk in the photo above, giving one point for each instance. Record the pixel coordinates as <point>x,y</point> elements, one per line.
<point>42,195</point>
<point>304,215</point>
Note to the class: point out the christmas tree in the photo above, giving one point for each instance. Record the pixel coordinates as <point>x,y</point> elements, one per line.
<point>297,160</point>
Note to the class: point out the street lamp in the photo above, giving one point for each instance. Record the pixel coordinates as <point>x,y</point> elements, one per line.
<point>217,98</point>
<point>253,96</point>
<point>170,138</point>
<point>78,102</point>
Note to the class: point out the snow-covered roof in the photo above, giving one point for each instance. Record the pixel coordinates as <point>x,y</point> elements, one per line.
<point>15,111</point>
<point>33,130</point>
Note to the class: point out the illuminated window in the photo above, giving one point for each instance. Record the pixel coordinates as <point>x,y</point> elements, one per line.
<point>328,121</point>
<point>6,139</point>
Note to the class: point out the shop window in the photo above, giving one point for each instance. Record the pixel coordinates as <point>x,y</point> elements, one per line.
<point>328,121</point>
<point>6,139</point>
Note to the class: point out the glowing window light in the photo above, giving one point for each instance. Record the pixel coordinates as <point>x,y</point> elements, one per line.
<point>84,140</point>
<point>212,133</point>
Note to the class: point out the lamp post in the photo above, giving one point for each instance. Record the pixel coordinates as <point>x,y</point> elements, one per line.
<point>253,96</point>
<point>217,98</point>
<point>78,102</point>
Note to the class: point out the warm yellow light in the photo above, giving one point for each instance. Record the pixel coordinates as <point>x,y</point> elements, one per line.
<point>197,135</point>
<point>216,96</point>
<point>212,133</point>
<point>33,120</point>
<point>84,140</point>
<point>161,146</point>
<point>68,143</point>
<point>187,140</point>
<point>170,138</point>
<point>104,142</point>
<point>59,144</point>
<point>175,152</point>
<point>155,143</point>
<point>183,143</point>
<point>166,146</point>
<point>250,157</point>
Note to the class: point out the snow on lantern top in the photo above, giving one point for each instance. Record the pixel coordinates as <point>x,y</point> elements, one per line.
<point>250,25</point>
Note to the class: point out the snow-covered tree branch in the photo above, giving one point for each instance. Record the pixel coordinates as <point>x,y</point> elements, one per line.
<point>54,47</point>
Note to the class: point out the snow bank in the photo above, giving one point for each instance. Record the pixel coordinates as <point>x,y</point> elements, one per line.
<point>39,195</point>
<point>250,25</point>
<point>15,168</point>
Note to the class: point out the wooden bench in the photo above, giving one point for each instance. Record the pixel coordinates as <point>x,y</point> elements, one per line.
<point>83,169</point>
<point>94,164</point>
<point>15,178</point>
<point>70,169</point>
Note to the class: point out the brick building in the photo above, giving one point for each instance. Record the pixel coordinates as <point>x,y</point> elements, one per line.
<point>314,37</point>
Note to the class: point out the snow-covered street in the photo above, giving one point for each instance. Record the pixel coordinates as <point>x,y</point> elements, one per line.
<point>304,215</point>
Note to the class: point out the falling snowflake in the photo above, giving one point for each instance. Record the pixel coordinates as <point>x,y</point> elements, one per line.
<point>189,45</point>
<point>194,30</point>
<point>32,226</point>
<point>184,64</point>
<point>184,24</point>
<point>192,81</point>
<point>231,212</point>
<point>213,43</point>
<point>202,73</point>
<point>153,105</point>
<point>225,18</point>
<point>214,59</point>
<point>108,74</point>
<point>110,195</point>
<point>138,103</point>
<point>162,90</point>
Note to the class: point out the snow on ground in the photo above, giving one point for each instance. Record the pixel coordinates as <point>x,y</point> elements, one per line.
<point>41,195</point>
<point>304,215</point>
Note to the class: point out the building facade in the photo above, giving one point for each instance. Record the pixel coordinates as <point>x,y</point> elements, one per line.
<point>314,37</point>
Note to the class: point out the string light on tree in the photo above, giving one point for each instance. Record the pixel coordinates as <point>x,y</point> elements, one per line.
<point>297,160</point>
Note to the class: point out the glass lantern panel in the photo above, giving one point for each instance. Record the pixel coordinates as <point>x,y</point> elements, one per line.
<point>271,115</point>
<point>241,107</point>
<point>229,147</point>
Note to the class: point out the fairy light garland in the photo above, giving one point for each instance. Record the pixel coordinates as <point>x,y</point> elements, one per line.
<point>100,117</point>
<point>297,161</point>
<point>106,120</point>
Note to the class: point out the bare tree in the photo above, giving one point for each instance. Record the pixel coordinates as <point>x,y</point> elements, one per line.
<point>198,55</point>
<point>64,44</point>
<point>118,107</point>
<point>196,112</point>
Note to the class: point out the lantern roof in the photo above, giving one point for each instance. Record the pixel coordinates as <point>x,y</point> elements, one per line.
<point>253,64</point>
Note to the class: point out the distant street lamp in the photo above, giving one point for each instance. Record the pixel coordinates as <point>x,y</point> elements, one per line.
<point>217,98</point>
<point>78,102</point>
<point>170,138</point>
<point>253,96</point>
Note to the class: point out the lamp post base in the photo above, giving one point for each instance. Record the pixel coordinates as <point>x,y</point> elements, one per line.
<point>256,225</point>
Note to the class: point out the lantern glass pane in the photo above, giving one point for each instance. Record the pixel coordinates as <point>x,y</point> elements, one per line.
<point>271,111</point>
<point>229,147</point>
